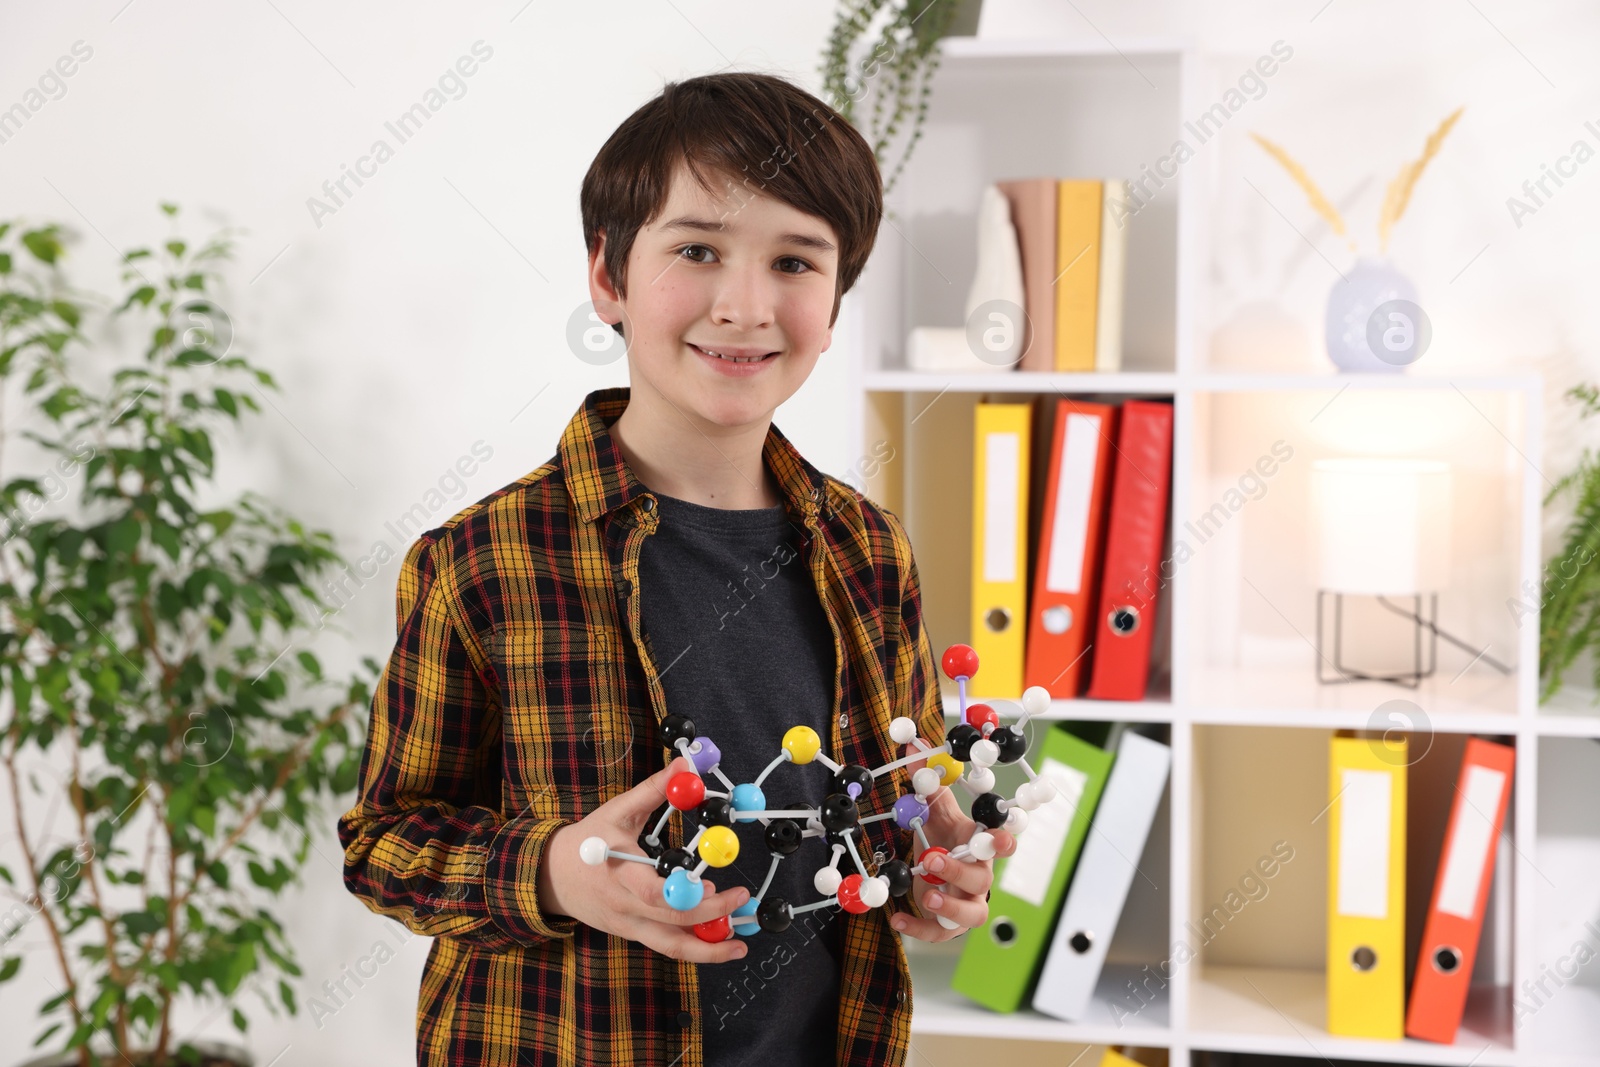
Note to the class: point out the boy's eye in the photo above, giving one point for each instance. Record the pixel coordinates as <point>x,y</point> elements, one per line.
<point>687,249</point>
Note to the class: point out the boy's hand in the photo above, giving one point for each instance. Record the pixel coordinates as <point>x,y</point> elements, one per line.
<point>624,898</point>
<point>963,898</point>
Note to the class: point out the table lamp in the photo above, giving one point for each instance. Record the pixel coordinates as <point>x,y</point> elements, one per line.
<point>1381,528</point>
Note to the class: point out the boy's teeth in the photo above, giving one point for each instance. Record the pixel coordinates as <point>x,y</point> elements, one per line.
<point>734,359</point>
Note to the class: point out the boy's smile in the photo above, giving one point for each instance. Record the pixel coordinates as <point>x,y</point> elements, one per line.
<point>734,272</point>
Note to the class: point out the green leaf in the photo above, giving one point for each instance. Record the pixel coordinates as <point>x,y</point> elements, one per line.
<point>123,536</point>
<point>141,923</point>
<point>226,402</point>
<point>66,312</point>
<point>240,1021</point>
<point>9,969</point>
<point>142,295</point>
<point>5,262</point>
<point>170,209</point>
<point>44,244</point>
<point>177,248</point>
<point>218,872</point>
<point>167,537</point>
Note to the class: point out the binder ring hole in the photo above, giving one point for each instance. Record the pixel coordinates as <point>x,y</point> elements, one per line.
<point>1081,941</point>
<point>1123,621</point>
<point>1003,930</point>
<point>1363,959</point>
<point>997,619</point>
<point>1446,960</point>
<point>1057,620</point>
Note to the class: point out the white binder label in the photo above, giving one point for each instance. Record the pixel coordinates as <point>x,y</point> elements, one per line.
<point>1001,461</point>
<point>1030,868</point>
<point>1364,843</point>
<point>1074,486</point>
<point>1464,868</point>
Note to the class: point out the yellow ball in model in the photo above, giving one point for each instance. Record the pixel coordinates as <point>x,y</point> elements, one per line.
<point>719,846</point>
<point>948,766</point>
<point>802,744</point>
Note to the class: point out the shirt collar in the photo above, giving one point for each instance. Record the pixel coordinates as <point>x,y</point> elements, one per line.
<point>600,480</point>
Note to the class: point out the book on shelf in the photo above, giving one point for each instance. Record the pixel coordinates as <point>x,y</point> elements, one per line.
<point>1072,237</point>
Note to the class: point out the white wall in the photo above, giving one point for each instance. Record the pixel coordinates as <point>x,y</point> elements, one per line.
<point>424,314</point>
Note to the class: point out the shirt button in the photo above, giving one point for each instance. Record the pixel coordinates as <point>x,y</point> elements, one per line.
<point>816,494</point>
<point>649,503</point>
<point>685,1019</point>
<point>625,587</point>
<point>844,720</point>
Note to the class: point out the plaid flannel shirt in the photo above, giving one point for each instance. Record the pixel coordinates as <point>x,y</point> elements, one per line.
<point>520,696</point>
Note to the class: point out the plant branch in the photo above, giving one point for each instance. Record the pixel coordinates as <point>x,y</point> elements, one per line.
<point>91,874</point>
<point>56,940</point>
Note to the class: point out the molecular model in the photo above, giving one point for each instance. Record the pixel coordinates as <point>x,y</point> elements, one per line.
<point>979,740</point>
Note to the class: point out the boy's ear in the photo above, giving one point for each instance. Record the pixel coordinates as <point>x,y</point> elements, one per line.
<point>601,292</point>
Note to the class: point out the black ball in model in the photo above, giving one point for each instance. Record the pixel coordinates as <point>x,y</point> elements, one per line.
<point>653,851</point>
<point>773,915</point>
<point>853,774</point>
<point>855,832</point>
<point>839,812</point>
<point>962,738</point>
<point>783,836</point>
<point>898,875</point>
<point>673,859</point>
<point>714,811</point>
<point>986,809</point>
<point>673,727</point>
<point>1012,745</point>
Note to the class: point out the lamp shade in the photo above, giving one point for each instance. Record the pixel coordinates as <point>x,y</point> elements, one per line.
<point>1381,526</point>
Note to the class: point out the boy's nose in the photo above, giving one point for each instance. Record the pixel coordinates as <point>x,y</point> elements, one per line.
<point>745,300</point>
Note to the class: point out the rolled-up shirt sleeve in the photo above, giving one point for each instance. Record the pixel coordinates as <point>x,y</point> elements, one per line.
<point>916,671</point>
<point>426,842</point>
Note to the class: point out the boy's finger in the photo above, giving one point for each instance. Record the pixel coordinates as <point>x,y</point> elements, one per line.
<point>922,929</point>
<point>637,803</point>
<point>646,888</point>
<point>712,907</point>
<point>646,885</point>
<point>969,876</point>
<point>917,765</point>
<point>968,913</point>
<point>679,944</point>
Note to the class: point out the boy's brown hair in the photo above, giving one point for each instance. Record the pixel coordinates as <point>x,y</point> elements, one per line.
<point>758,134</point>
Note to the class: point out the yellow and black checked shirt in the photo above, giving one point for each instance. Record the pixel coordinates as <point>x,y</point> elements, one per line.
<point>520,696</point>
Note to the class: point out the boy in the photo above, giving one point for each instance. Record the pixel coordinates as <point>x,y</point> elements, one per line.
<point>676,556</point>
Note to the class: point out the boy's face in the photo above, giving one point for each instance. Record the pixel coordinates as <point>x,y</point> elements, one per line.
<point>753,282</point>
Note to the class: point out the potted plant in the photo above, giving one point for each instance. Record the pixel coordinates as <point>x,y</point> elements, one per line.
<point>1569,591</point>
<point>145,627</point>
<point>899,64</point>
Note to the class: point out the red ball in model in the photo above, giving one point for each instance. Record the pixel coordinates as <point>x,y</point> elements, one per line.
<point>982,718</point>
<point>922,860</point>
<point>959,661</point>
<point>714,930</point>
<point>850,895</point>
<point>685,791</point>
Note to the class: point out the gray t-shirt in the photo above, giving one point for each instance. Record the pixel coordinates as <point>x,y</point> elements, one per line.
<point>733,620</point>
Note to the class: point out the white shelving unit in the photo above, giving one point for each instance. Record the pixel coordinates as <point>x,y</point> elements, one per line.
<point>1233,674</point>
